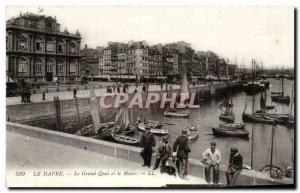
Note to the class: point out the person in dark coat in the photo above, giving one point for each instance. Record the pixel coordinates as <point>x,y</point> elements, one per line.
<point>181,146</point>
<point>74,93</point>
<point>163,154</point>
<point>147,142</point>
<point>235,167</point>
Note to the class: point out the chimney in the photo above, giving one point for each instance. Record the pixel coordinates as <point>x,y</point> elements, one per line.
<point>85,46</point>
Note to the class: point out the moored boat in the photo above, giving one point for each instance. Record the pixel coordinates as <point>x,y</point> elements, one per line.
<point>281,99</point>
<point>227,117</point>
<point>125,139</point>
<point>223,132</point>
<point>160,131</point>
<point>233,126</point>
<point>257,118</point>
<point>192,132</point>
<point>175,114</point>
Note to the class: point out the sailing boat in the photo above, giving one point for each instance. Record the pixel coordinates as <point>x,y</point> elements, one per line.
<point>227,115</point>
<point>263,101</point>
<point>279,97</point>
<point>123,127</point>
<point>275,171</point>
<point>256,117</point>
<point>184,92</point>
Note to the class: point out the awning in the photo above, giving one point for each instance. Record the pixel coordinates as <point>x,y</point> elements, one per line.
<point>9,79</point>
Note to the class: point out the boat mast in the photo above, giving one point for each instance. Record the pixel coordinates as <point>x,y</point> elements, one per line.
<point>282,85</point>
<point>272,141</point>
<point>252,142</point>
<point>253,97</point>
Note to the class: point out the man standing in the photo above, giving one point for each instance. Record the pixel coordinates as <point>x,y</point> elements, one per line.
<point>148,142</point>
<point>74,93</point>
<point>212,159</point>
<point>164,152</point>
<point>235,166</point>
<point>181,146</point>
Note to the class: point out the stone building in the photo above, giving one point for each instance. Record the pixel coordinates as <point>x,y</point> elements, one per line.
<point>89,62</point>
<point>36,49</point>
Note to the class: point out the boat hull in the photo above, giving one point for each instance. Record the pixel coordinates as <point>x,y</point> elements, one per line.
<point>233,126</point>
<point>159,131</point>
<point>281,99</point>
<point>227,118</point>
<point>173,114</point>
<point>256,118</point>
<point>125,139</point>
<point>220,132</point>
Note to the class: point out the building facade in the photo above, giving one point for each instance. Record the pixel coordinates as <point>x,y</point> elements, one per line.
<point>36,49</point>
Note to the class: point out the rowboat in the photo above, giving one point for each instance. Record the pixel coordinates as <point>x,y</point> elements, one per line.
<point>175,114</point>
<point>125,139</point>
<point>160,131</point>
<point>192,132</point>
<point>281,99</point>
<point>233,126</point>
<point>223,132</point>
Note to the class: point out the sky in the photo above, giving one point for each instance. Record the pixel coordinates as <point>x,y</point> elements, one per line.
<point>265,33</point>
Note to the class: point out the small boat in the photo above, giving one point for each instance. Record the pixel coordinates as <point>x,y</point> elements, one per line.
<point>233,126</point>
<point>175,114</point>
<point>192,132</point>
<point>129,130</point>
<point>252,88</point>
<point>125,139</point>
<point>223,132</point>
<point>184,91</point>
<point>227,117</point>
<point>160,131</point>
<point>281,99</point>
<point>257,118</point>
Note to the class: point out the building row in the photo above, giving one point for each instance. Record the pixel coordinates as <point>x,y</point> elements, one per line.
<point>37,50</point>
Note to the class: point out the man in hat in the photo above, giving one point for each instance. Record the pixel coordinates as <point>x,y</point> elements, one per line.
<point>164,152</point>
<point>235,166</point>
<point>148,142</point>
<point>211,159</point>
<point>181,146</point>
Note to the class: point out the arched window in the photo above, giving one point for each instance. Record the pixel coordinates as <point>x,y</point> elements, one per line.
<point>72,66</point>
<point>21,42</point>
<point>23,65</point>
<point>60,66</point>
<point>50,45</point>
<point>60,46</point>
<point>39,44</point>
<point>38,65</point>
<point>50,64</point>
<point>72,47</point>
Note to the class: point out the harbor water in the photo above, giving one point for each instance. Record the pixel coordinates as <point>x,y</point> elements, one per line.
<point>207,116</point>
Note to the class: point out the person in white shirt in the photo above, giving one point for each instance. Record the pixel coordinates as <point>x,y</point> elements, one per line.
<point>212,159</point>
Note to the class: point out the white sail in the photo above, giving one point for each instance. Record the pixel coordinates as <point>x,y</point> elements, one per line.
<point>94,107</point>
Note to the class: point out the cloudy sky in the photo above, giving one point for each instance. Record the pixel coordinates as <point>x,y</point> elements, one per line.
<point>264,33</point>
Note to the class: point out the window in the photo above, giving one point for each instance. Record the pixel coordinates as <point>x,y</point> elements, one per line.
<point>38,65</point>
<point>50,47</point>
<point>50,66</point>
<point>59,48</point>
<point>22,45</point>
<point>60,67</point>
<point>72,67</point>
<point>72,48</point>
<point>22,66</point>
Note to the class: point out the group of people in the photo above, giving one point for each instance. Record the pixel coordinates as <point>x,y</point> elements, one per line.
<point>180,153</point>
<point>25,95</point>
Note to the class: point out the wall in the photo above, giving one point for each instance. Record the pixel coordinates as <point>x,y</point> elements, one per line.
<point>195,168</point>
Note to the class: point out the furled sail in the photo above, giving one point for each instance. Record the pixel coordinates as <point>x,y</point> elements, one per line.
<point>94,107</point>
